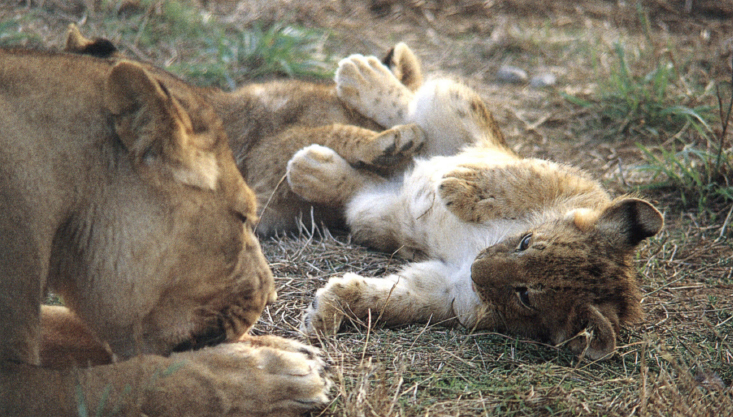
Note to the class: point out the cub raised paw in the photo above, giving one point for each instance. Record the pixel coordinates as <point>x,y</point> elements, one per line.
<point>371,89</point>
<point>393,146</point>
<point>320,175</point>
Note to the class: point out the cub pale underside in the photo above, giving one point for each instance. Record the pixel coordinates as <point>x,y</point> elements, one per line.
<point>119,191</point>
<point>515,244</point>
<point>507,243</point>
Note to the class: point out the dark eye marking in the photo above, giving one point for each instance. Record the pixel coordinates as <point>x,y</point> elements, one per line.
<point>525,242</point>
<point>241,217</point>
<point>523,296</point>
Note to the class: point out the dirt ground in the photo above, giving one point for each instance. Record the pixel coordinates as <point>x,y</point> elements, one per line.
<point>679,361</point>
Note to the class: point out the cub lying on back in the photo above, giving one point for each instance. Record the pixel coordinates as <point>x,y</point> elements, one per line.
<point>515,244</point>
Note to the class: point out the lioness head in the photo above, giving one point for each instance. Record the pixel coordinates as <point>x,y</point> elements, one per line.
<point>161,254</point>
<point>553,282</point>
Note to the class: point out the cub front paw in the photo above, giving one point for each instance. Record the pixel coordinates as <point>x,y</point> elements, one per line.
<point>331,305</point>
<point>318,174</point>
<point>395,145</point>
<point>370,88</point>
<point>462,193</point>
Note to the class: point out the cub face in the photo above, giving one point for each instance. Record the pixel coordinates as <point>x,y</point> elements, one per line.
<point>552,282</point>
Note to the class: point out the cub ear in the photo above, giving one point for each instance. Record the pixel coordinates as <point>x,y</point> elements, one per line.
<point>632,219</point>
<point>600,329</point>
<point>139,106</point>
<point>76,43</point>
<point>404,65</point>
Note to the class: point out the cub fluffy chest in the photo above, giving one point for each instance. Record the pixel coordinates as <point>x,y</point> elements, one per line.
<point>520,245</point>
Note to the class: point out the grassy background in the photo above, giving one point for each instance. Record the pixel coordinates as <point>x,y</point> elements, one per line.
<point>641,101</point>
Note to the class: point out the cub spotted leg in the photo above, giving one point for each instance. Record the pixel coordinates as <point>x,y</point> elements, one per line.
<point>421,293</point>
<point>363,147</point>
<point>371,89</point>
<point>329,174</point>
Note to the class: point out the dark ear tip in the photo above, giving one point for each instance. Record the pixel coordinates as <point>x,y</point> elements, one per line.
<point>642,220</point>
<point>648,218</point>
<point>387,60</point>
<point>101,48</point>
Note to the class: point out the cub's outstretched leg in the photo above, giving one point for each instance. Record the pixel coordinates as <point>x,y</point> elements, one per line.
<point>418,294</point>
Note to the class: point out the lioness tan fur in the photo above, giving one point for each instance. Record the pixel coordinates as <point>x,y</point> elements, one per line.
<point>506,243</point>
<point>118,191</point>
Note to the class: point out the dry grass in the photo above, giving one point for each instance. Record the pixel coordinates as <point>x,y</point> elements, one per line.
<point>677,362</point>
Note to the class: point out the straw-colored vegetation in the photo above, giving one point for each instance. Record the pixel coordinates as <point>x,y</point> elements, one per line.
<point>642,101</point>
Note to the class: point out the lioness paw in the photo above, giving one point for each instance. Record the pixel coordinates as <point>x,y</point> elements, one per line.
<point>273,376</point>
<point>370,88</point>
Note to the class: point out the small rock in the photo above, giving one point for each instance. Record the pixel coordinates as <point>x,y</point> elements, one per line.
<point>509,74</point>
<point>543,80</point>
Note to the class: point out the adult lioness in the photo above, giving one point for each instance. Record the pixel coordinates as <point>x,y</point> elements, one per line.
<point>509,243</point>
<point>118,190</point>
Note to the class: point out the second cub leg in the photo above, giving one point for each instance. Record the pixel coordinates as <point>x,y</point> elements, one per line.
<point>347,159</point>
<point>421,293</point>
<point>364,147</point>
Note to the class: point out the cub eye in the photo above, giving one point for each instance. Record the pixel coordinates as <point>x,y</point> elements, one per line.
<point>523,295</point>
<point>525,242</point>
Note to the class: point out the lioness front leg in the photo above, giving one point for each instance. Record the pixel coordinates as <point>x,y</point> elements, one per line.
<point>272,377</point>
<point>421,293</point>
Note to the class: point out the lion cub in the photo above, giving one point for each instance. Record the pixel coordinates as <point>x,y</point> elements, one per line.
<point>502,242</point>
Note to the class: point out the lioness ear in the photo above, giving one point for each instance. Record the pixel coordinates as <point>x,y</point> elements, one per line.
<point>404,65</point>
<point>138,104</point>
<point>156,130</point>
<point>632,219</point>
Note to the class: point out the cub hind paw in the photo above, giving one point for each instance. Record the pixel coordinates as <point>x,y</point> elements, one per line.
<point>370,88</point>
<point>330,305</point>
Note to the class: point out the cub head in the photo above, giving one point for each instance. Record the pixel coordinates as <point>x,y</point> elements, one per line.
<point>566,276</point>
<point>163,254</point>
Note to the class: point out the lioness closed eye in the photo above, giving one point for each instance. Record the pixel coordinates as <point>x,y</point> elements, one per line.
<point>118,190</point>
<point>516,244</point>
